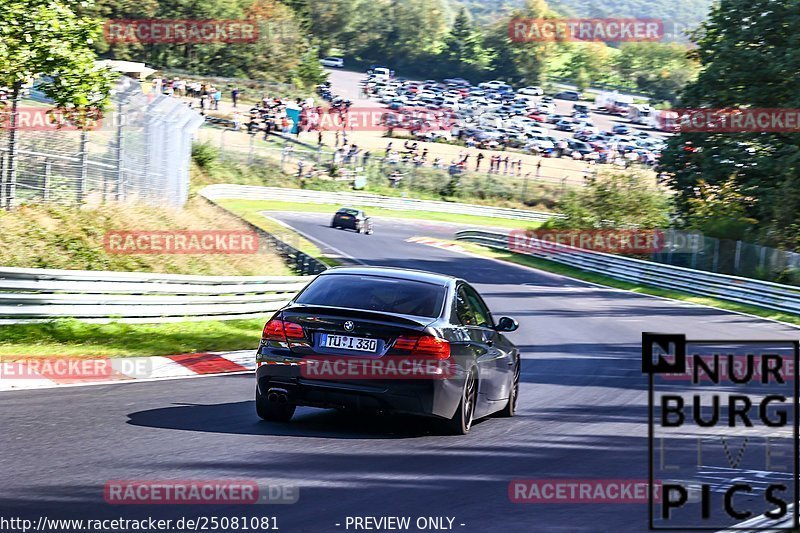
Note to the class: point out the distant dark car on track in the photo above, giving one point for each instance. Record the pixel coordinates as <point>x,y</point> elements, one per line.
<point>355,219</point>
<point>388,317</point>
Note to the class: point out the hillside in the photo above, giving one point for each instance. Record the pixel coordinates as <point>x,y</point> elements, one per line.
<point>678,15</point>
<point>41,236</point>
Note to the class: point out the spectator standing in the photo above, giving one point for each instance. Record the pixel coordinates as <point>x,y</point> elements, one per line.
<point>478,160</point>
<point>235,96</point>
<point>217,98</point>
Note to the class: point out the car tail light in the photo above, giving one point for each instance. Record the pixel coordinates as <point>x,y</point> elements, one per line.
<point>425,345</point>
<point>279,330</point>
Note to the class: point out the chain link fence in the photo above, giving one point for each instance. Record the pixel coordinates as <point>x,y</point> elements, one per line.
<point>140,150</point>
<point>737,258</point>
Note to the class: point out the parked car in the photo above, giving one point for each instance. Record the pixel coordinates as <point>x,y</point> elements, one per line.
<point>388,317</point>
<point>568,95</point>
<point>620,129</point>
<point>565,125</point>
<point>580,147</point>
<point>355,219</point>
<point>336,62</point>
<point>532,91</point>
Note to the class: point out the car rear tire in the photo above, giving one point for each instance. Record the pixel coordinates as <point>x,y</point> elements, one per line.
<point>511,408</point>
<point>461,422</point>
<point>273,411</point>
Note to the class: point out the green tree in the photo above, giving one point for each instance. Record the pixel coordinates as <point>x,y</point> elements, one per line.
<point>749,52</point>
<point>525,62</point>
<point>720,210</point>
<point>588,63</point>
<point>48,40</point>
<point>309,71</point>
<point>463,47</point>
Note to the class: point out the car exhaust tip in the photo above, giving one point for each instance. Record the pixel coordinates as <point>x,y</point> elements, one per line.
<point>278,395</point>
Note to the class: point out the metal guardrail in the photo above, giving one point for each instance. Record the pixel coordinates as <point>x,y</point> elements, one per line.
<point>254,192</point>
<point>732,288</point>
<point>34,295</point>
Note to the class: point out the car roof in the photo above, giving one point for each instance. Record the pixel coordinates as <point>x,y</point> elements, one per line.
<point>393,272</point>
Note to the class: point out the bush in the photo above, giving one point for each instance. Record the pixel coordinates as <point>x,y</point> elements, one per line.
<point>205,155</point>
<point>615,199</point>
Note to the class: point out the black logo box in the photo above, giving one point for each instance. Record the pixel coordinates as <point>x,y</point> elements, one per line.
<point>678,365</point>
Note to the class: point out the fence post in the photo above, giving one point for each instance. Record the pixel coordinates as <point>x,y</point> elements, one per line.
<point>13,145</point>
<point>2,178</point>
<point>715,261</point>
<point>120,173</point>
<point>48,166</point>
<point>84,163</point>
<point>737,257</point>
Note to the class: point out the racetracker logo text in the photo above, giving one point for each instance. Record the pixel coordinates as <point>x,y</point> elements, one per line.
<point>154,31</point>
<point>412,367</point>
<point>567,240</point>
<point>736,120</point>
<point>526,30</point>
<point>578,491</point>
<point>198,492</point>
<point>181,242</point>
<point>32,118</point>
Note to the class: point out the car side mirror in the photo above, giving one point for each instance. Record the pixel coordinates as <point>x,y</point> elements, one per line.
<point>506,323</point>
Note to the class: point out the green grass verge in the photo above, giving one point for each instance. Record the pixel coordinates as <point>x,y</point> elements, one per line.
<point>73,338</point>
<point>247,208</point>
<point>566,270</point>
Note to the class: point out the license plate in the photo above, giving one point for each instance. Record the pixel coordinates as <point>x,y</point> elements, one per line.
<point>343,342</point>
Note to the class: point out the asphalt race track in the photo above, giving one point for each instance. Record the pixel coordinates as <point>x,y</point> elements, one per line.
<point>582,414</point>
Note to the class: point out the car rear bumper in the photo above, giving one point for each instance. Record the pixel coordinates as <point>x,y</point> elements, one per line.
<point>426,397</point>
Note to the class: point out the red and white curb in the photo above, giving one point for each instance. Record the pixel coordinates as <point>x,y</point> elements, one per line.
<point>436,243</point>
<point>45,373</point>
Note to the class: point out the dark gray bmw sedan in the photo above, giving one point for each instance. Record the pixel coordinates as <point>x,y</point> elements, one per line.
<point>388,340</point>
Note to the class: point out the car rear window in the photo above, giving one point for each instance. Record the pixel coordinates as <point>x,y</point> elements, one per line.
<point>348,212</point>
<point>375,293</point>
